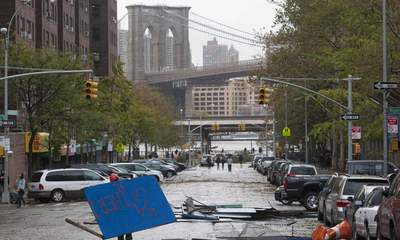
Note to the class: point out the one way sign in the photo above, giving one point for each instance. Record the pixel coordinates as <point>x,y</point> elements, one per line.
<point>350,117</point>
<point>385,85</point>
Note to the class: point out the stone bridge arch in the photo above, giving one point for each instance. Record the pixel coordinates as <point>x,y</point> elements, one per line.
<point>159,20</point>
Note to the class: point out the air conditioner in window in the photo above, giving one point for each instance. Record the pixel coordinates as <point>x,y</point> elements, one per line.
<point>72,29</point>
<point>87,33</point>
<point>29,36</point>
<point>24,34</point>
<point>86,9</point>
<point>67,27</point>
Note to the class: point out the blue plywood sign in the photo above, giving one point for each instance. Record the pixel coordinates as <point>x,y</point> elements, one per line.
<point>129,206</point>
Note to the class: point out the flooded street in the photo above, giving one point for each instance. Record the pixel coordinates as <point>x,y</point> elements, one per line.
<point>241,186</point>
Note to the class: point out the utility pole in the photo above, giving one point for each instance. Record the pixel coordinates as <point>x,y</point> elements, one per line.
<point>306,126</point>
<point>286,123</point>
<point>385,77</point>
<point>273,133</point>
<point>349,123</point>
<point>5,198</point>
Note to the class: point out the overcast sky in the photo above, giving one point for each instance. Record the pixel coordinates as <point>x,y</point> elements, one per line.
<point>247,15</point>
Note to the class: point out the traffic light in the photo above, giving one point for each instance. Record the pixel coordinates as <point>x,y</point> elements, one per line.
<point>242,127</point>
<point>91,89</point>
<point>264,95</point>
<point>215,127</point>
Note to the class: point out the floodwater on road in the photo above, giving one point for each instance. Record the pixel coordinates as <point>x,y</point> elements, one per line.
<point>242,185</point>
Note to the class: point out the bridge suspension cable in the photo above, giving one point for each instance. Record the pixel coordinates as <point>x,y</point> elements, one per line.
<point>212,28</point>
<point>206,32</point>
<point>221,24</point>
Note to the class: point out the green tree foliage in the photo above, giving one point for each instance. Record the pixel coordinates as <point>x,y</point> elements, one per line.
<point>330,39</point>
<point>56,104</point>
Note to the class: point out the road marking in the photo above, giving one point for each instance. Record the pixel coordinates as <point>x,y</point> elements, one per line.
<point>58,204</point>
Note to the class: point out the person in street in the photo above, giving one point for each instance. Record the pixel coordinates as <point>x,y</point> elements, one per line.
<point>21,190</point>
<point>223,162</point>
<point>241,160</point>
<point>218,160</point>
<point>208,162</point>
<point>230,163</point>
<point>113,178</point>
<point>1,181</point>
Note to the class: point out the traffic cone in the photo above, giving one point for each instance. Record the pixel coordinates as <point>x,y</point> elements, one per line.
<point>340,231</point>
<point>319,232</point>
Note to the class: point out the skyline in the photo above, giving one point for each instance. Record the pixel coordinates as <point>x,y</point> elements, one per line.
<point>254,18</point>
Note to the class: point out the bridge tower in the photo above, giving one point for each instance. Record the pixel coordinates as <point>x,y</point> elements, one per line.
<point>158,39</point>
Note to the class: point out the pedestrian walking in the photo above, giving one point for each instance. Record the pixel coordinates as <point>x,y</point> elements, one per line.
<point>21,190</point>
<point>208,162</point>
<point>218,160</point>
<point>222,162</point>
<point>230,164</point>
<point>241,160</point>
<point>113,178</point>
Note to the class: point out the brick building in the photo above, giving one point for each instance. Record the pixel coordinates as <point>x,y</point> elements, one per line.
<point>103,35</point>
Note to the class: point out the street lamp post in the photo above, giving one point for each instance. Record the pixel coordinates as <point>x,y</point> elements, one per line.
<point>385,103</point>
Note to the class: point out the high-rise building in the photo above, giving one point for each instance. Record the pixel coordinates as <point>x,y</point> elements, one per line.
<point>233,55</point>
<point>237,97</point>
<point>123,49</point>
<point>24,22</point>
<point>103,35</point>
<point>214,54</point>
<point>82,19</point>
<point>46,24</point>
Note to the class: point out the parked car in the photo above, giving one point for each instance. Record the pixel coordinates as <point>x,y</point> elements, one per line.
<point>203,161</point>
<point>337,200</point>
<point>271,166</point>
<point>275,171</point>
<point>303,184</point>
<point>59,184</point>
<point>266,162</point>
<point>256,158</point>
<point>369,167</point>
<point>180,166</point>
<point>364,223</point>
<point>140,170</point>
<point>388,217</point>
<point>282,172</point>
<point>358,201</point>
<point>324,192</point>
<point>104,168</point>
<point>166,170</point>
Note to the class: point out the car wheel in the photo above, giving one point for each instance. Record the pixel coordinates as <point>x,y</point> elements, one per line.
<point>286,202</point>
<point>169,174</point>
<point>311,201</point>
<point>57,195</point>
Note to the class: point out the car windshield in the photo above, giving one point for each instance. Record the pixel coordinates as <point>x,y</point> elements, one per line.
<point>120,169</point>
<point>353,185</point>
<point>303,170</point>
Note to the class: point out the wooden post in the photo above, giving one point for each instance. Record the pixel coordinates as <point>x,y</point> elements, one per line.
<point>84,228</point>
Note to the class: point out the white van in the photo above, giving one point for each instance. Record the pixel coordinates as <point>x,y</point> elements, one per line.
<point>59,184</point>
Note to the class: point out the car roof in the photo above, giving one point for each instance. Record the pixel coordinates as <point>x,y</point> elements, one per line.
<point>372,177</point>
<point>303,165</point>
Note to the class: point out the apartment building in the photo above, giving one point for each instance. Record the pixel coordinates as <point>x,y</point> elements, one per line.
<point>235,98</point>
<point>66,26</point>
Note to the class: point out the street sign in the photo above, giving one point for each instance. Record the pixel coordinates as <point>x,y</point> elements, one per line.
<point>120,148</point>
<point>392,124</point>
<point>356,133</point>
<point>351,117</point>
<point>394,110</point>
<point>385,85</point>
<point>286,132</point>
<point>7,123</point>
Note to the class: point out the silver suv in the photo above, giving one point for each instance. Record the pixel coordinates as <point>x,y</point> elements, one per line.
<point>338,199</point>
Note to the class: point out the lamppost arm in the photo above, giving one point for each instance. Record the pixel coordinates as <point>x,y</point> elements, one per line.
<point>307,90</point>
<point>46,73</point>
